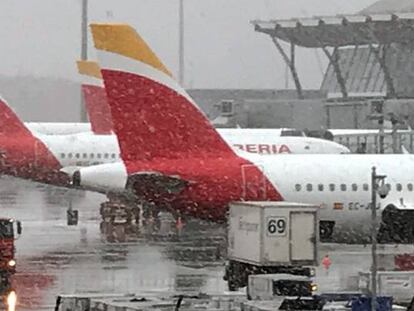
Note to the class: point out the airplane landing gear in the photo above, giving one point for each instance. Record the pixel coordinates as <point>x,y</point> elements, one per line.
<point>72,216</point>
<point>326,229</point>
<point>397,226</point>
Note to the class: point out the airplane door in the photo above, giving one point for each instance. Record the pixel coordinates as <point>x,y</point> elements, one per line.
<point>253,183</point>
<point>301,246</point>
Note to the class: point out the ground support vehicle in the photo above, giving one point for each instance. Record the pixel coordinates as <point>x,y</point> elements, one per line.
<point>271,238</point>
<point>10,230</point>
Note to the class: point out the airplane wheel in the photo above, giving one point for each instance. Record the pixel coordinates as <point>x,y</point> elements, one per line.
<point>326,229</point>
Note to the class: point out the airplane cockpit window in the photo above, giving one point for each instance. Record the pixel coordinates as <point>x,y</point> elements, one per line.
<point>365,187</point>
<point>343,187</point>
<point>354,187</point>
<point>298,187</point>
<point>332,187</point>
<point>293,132</point>
<point>320,187</point>
<point>309,187</point>
<point>398,187</point>
<point>410,187</point>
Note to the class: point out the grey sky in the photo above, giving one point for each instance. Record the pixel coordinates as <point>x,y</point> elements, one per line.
<point>42,37</point>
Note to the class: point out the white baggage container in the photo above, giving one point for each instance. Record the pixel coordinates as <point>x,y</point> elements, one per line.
<point>398,284</point>
<point>273,233</point>
<point>270,286</point>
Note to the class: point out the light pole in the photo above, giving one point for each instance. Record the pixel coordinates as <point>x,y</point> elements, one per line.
<point>383,191</point>
<point>84,49</point>
<point>181,42</point>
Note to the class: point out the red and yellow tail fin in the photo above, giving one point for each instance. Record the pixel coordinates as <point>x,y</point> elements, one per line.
<point>95,97</point>
<point>153,116</point>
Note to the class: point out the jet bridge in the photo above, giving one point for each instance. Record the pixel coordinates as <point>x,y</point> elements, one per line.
<point>369,48</point>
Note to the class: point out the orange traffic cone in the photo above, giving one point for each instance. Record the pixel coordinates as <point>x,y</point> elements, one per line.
<point>326,263</point>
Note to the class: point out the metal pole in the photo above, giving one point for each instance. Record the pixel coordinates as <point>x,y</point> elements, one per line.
<point>181,42</point>
<point>84,50</point>
<point>381,128</point>
<point>374,239</point>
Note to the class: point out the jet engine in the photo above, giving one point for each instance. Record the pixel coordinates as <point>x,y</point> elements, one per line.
<point>101,178</point>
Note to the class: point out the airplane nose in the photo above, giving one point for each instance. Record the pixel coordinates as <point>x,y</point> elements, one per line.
<point>344,149</point>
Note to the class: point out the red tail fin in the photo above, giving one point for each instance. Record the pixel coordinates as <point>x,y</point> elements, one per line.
<point>10,124</point>
<point>95,98</point>
<point>153,116</point>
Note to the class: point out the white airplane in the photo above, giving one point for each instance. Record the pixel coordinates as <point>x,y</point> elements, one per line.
<point>172,156</point>
<point>43,158</point>
<point>251,140</point>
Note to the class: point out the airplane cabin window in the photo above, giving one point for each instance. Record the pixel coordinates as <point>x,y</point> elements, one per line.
<point>92,155</point>
<point>410,187</point>
<point>332,187</point>
<point>388,186</point>
<point>320,187</point>
<point>298,187</point>
<point>365,187</point>
<point>77,156</point>
<point>99,155</point>
<point>398,187</point>
<point>62,155</point>
<point>70,155</point>
<point>309,187</point>
<point>113,156</point>
<point>343,187</point>
<point>85,155</point>
<point>106,156</point>
<point>354,187</point>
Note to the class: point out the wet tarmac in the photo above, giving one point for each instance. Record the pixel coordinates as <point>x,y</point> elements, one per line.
<point>56,259</point>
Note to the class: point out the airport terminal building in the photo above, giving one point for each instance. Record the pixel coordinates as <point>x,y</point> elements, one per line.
<point>371,57</point>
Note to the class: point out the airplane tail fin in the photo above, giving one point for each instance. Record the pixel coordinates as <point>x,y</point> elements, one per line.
<point>95,98</point>
<point>153,116</point>
<point>10,123</point>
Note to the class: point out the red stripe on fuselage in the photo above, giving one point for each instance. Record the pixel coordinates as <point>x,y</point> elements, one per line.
<point>213,184</point>
<point>160,131</point>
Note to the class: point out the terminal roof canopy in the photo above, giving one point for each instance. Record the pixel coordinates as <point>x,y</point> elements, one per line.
<point>389,6</point>
<point>342,30</point>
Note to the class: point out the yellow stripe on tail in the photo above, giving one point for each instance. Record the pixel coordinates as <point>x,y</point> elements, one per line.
<point>89,68</point>
<point>124,40</point>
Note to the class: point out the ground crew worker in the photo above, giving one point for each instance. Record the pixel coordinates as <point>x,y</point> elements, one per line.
<point>326,262</point>
<point>179,225</point>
